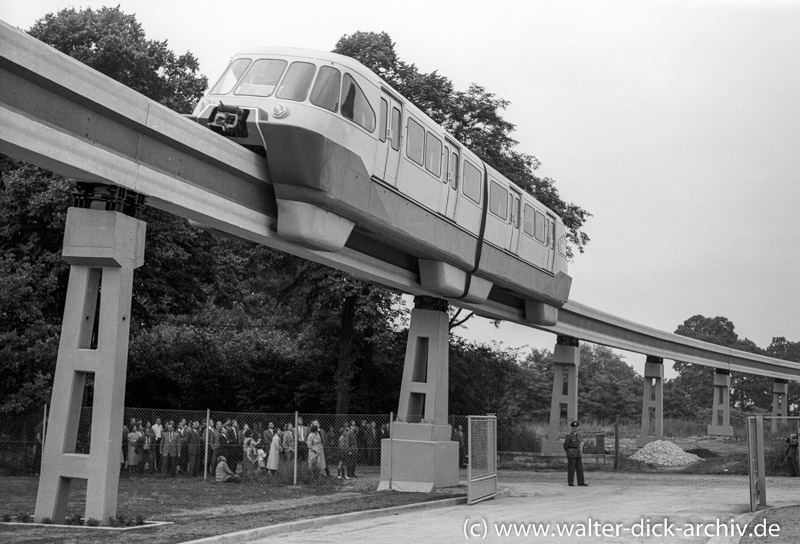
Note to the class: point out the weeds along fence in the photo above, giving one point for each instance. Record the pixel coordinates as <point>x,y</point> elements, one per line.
<point>266,448</point>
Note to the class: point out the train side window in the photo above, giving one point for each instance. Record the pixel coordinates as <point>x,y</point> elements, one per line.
<point>297,81</point>
<point>472,182</point>
<point>454,171</point>
<point>396,124</point>
<point>527,220</point>
<point>232,74</point>
<point>355,105</point>
<point>433,154</point>
<point>382,120</point>
<point>541,232</point>
<point>262,78</point>
<point>498,200</point>
<point>325,93</point>
<point>415,142</point>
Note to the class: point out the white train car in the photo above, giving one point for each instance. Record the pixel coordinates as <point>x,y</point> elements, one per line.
<point>353,162</point>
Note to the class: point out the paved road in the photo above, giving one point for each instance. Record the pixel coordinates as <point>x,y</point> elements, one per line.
<point>615,508</point>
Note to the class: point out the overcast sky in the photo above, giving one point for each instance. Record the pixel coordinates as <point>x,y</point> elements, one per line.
<point>676,124</point>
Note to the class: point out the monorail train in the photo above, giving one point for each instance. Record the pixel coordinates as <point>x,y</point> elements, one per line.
<point>351,159</point>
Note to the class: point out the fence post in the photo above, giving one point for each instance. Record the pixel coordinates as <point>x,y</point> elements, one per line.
<point>391,419</point>
<point>205,464</point>
<point>295,447</point>
<point>616,443</point>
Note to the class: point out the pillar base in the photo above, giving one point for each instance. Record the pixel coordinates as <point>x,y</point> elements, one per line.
<point>418,465</point>
<point>553,446</point>
<point>720,430</point>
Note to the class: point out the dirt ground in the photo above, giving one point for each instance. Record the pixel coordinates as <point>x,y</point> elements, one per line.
<point>198,509</point>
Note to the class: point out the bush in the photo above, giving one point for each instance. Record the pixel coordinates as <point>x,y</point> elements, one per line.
<point>24,517</point>
<point>91,522</point>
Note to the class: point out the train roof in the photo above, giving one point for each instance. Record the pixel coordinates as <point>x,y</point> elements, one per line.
<point>344,60</point>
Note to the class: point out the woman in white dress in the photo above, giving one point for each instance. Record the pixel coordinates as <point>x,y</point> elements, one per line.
<point>273,459</point>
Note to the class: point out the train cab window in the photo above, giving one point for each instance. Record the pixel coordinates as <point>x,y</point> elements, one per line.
<point>541,231</point>
<point>498,200</point>
<point>297,81</point>
<point>472,182</point>
<point>325,93</point>
<point>262,78</point>
<point>415,142</point>
<point>355,105</point>
<point>433,154</point>
<point>232,74</point>
<point>453,171</point>
<point>396,124</point>
<point>382,120</point>
<point>527,220</point>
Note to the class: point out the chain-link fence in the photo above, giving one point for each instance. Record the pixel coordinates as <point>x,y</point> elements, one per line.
<point>482,451</point>
<point>725,450</point>
<point>157,443</point>
<point>21,442</point>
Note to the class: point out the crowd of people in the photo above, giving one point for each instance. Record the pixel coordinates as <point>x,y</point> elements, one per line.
<point>237,452</point>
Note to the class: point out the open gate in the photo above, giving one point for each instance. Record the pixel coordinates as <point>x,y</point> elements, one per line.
<point>482,463</point>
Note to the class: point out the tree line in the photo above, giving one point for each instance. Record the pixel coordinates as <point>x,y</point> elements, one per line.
<point>228,325</point>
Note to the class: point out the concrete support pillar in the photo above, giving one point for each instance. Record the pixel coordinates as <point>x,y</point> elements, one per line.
<point>780,391</point>
<point>103,249</point>
<point>721,411</point>
<point>652,401</point>
<point>420,454</point>
<point>566,358</point>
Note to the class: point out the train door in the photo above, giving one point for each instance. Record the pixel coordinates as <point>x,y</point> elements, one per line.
<point>390,123</point>
<point>551,241</point>
<point>514,199</point>
<point>452,160</point>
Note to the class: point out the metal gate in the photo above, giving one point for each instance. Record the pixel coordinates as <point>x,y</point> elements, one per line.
<point>482,460</point>
<point>755,451</point>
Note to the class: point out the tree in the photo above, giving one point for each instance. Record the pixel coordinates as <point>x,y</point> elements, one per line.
<point>608,387</point>
<point>114,43</point>
<point>33,202</point>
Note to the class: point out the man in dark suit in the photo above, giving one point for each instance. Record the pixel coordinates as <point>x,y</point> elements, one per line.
<point>302,447</point>
<point>572,445</point>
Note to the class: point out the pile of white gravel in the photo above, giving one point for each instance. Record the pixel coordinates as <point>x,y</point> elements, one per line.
<point>664,453</point>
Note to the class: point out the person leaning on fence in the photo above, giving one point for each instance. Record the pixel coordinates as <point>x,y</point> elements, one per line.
<point>224,472</point>
<point>791,455</point>
<point>572,445</point>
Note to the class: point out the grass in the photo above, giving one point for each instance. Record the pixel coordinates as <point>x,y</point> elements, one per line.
<point>200,509</point>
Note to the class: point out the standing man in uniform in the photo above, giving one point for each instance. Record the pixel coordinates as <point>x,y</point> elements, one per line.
<point>791,455</point>
<point>572,445</point>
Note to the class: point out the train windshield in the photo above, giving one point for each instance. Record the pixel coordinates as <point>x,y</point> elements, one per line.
<point>297,82</point>
<point>231,76</point>
<point>262,78</point>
